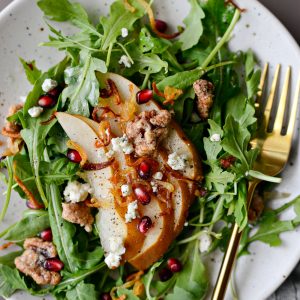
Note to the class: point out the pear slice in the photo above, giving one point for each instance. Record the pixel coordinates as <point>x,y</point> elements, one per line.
<point>112,224</point>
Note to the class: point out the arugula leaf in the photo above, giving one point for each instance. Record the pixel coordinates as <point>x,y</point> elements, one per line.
<point>31,71</point>
<point>10,281</point>
<point>192,281</point>
<point>9,259</point>
<point>29,226</point>
<point>64,10</point>
<point>128,293</point>
<point>219,179</point>
<point>119,17</point>
<point>83,86</point>
<point>252,76</point>
<point>240,209</point>
<point>194,29</point>
<point>235,142</point>
<point>82,291</point>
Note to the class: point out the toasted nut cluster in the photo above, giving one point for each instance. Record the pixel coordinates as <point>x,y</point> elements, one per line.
<point>204,92</point>
<point>147,130</point>
<point>78,213</point>
<point>31,262</point>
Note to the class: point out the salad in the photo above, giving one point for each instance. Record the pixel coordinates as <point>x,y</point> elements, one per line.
<point>132,156</point>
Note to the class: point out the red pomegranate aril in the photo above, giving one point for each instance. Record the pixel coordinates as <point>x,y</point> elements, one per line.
<point>174,265</point>
<point>54,92</point>
<point>144,170</point>
<point>46,101</point>
<point>165,274</point>
<point>46,235</point>
<point>227,162</point>
<point>53,264</point>
<point>105,296</point>
<point>142,196</point>
<point>74,156</point>
<point>161,25</point>
<point>144,96</point>
<point>145,224</point>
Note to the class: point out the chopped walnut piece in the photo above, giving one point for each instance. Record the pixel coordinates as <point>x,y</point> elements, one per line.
<point>32,260</point>
<point>204,92</point>
<point>147,130</point>
<point>78,213</point>
<point>11,127</point>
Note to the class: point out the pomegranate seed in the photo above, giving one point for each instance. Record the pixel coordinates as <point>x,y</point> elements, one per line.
<point>145,224</point>
<point>53,264</point>
<point>46,101</point>
<point>74,156</point>
<point>31,205</point>
<point>174,265</point>
<point>54,92</point>
<point>46,235</point>
<point>165,274</point>
<point>144,96</point>
<point>227,162</point>
<point>142,195</point>
<point>161,26</point>
<point>144,170</point>
<point>105,296</point>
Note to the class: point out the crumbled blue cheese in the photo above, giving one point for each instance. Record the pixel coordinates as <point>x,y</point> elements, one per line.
<point>132,212</point>
<point>35,111</point>
<point>158,175</point>
<point>122,144</point>
<point>125,61</point>
<point>215,137</point>
<point>116,250</point>
<point>48,85</point>
<point>76,191</point>
<point>177,162</point>
<point>154,186</point>
<point>126,190</point>
<point>124,32</point>
<point>205,241</point>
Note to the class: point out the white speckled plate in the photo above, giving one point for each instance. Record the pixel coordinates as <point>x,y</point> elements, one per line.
<point>22,29</point>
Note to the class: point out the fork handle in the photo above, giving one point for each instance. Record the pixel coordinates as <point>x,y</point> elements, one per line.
<point>230,254</point>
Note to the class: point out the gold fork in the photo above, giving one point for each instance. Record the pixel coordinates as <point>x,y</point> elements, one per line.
<point>274,152</point>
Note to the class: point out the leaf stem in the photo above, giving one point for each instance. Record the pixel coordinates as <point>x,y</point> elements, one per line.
<point>109,54</point>
<point>223,40</point>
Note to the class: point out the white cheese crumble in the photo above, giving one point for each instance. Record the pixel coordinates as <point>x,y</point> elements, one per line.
<point>122,144</point>
<point>110,153</point>
<point>125,61</point>
<point>48,85</point>
<point>215,137</point>
<point>177,162</point>
<point>205,242</point>
<point>124,32</point>
<point>158,175</point>
<point>154,186</point>
<point>76,191</point>
<point>186,224</point>
<point>35,111</point>
<point>126,190</point>
<point>132,212</point>
<point>116,250</point>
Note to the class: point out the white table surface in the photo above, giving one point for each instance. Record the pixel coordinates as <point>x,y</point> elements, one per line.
<point>288,12</point>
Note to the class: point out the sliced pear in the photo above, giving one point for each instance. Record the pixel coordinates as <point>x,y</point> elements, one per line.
<point>109,221</point>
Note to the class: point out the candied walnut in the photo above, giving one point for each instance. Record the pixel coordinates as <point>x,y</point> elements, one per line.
<point>147,130</point>
<point>31,264</point>
<point>12,129</point>
<point>32,260</point>
<point>204,92</point>
<point>47,249</point>
<point>78,213</point>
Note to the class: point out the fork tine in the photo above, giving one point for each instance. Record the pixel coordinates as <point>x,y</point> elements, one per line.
<point>282,102</point>
<point>293,116</point>
<point>271,97</point>
<point>261,85</point>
